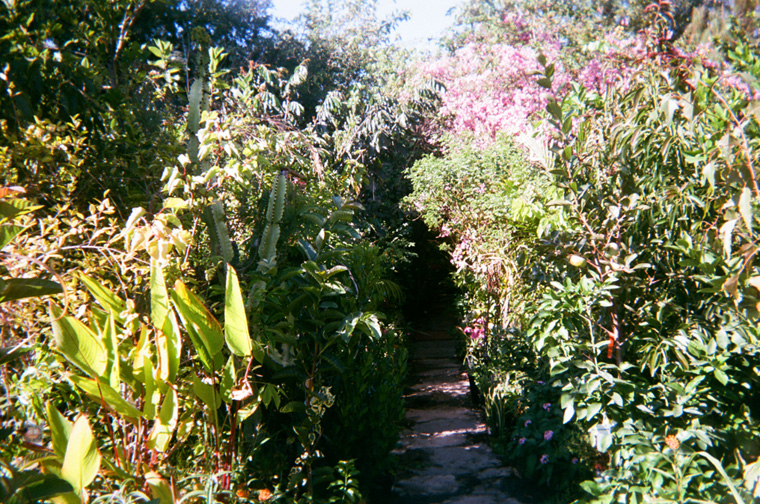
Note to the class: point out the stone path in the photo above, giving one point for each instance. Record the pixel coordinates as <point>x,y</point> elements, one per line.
<point>445,452</point>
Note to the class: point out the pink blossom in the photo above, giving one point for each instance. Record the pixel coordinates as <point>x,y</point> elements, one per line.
<point>548,435</point>
<point>522,441</point>
<point>527,423</point>
<point>544,459</point>
<point>547,406</point>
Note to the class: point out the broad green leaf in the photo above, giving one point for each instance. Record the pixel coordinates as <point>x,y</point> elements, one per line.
<point>78,344</point>
<point>8,232</point>
<point>204,330</point>
<point>209,396</point>
<point>159,298</point>
<point>20,288</point>
<point>60,429</point>
<point>168,339</point>
<point>12,208</point>
<point>569,412</point>
<point>593,409</point>
<point>228,380</point>
<point>720,376</point>
<point>82,459</point>
<point>111,343</point>
<point>102,392</point>
<point>160,489</point>
<point>165,423</point>
<point>727,235</point>
<point>235,321</point>
<point>42,487</point>
<point>168,349</point>
<point>103,296</point>
<point>373,326</point>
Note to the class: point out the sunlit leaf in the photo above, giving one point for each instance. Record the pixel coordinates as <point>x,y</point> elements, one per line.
<point>81,462</point>
<point>12,289</point>
<point>235,321</point>
<point>78,343</point>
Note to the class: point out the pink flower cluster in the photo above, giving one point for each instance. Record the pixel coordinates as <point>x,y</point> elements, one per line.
<point>477,330</point>
<point>492,88</point>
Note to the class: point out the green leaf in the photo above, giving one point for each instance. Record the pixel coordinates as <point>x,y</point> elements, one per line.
<point>168,340</point>
<point>82,459</point>
<point>160,489</point>
<point>544,83</point>
<point>569,412</point>
<point>111,342</point>
<point>745,207</point>
<point>592,487</point>
<point>60,429</point>
<point>8,232</point>
<point>373,326</point>
<point>159,297</point>
<point>102,295</point>
<point>42,487</point>
<point>102,392</point>
<point>78,344</point>
<point>208,395</point>
<point>12,208</point>
<point>204,330</point>
<point>20,288</point>
<point>593,409</point>
<point>554,110</point>
<point>228,380</point>
<point>720,376</point>
<point>235,321</point>
<point>165,422</point>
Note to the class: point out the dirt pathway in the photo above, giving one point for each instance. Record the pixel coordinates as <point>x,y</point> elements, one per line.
<point>445,451</point>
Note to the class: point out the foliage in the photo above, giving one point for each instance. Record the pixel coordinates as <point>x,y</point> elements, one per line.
<point>644,297</point>
<point>489,205</point>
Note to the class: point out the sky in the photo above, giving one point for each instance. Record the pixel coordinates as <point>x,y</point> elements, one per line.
<point>427,18</point>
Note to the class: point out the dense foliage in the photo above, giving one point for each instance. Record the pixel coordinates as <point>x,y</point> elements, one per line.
<point>612,291</point>
<point>206,238</point>
<point>224,322</point>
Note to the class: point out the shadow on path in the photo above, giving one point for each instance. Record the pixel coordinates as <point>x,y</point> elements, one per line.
<point>445,452</point>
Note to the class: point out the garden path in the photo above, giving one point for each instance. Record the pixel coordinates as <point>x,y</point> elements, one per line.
<point>445,452</point>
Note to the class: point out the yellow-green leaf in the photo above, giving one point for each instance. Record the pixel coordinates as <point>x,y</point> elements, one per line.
<point>82,459</point>
<point>102,295</point>
<point>204,330</point>
<point>60,429</point>
<point>159,488</point>
<point>165,423</point>
<point>78,344</point>
<point>235,321</point>
<point>101,391</point>
<point>745,207</point>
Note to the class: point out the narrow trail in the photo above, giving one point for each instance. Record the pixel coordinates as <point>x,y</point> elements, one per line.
<point>445,452</point>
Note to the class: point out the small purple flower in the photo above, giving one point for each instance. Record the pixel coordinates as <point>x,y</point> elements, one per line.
<point>548,435</point>
<point>575,460</point>
<point>527,423</point>
<point>522,441</point>
<point>547,406</point>
<point>544,459</point>
<point>540,382</point>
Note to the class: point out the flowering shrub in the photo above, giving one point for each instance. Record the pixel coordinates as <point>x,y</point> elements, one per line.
<point>639,267</point>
